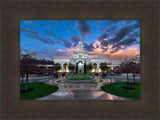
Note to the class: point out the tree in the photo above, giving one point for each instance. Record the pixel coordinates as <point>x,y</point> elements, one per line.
<point>89,66</point>
<point>131,65</point>
<point>117,70</point>
<point>126,67</point>
<point>71,66</point>
<point>84,67</point>
<point>22,71</point>
<point>135,67</point>
<point>47,71</point>
<point>76,67</point>
<point>27,66</point>
<point>109,63</point>
<point>103,66</point>
<point>57,67</point>
<point>109,71</point>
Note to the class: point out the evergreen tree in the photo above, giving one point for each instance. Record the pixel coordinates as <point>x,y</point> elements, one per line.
<point>84,67</point>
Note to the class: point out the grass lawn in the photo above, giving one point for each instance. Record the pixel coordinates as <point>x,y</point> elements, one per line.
<point>116,89</point>
<point>36,90</point>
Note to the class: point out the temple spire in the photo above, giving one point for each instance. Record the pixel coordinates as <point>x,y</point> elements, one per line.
<point>80,37</point>
<point>80,43</point>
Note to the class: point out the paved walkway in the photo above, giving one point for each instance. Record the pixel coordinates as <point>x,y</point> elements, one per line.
<point>81,91</point>
<point>81,95</point>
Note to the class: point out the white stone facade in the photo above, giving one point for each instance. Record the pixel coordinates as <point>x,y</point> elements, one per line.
<point>79,57</point>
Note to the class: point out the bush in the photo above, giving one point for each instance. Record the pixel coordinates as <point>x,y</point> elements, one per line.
<point>104,74</point>
<point>96,74</point>
<point>63,74</point>
<point>55,75</point>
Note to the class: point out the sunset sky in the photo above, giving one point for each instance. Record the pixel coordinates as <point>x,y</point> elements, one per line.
<point>113,39</point>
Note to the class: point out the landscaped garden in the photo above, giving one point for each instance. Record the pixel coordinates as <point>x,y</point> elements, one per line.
<point>80,78</point>
<point>73,74</point>
<point>120,89</point>
<point>36,90</point>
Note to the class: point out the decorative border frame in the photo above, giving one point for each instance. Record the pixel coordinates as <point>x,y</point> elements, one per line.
<point>13,107</point>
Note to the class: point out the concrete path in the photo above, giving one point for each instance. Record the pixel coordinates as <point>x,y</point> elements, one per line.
<point>81,95</point>
<point>81,91</point>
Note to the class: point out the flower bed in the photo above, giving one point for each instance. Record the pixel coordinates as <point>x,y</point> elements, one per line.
<point>72,74</point>
<point>80,81</point>
<point>80,77</point>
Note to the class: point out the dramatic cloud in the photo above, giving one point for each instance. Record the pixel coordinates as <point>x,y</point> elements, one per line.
<point>64,53</point>
<point>128,22</point>
<point>97,23</point>
<point>102,29</point>
<point>54,36</point>
<point>46,40</point>
<point>120,37</point>
<point>29,31</point>
<point>127,42</point>
<point>136,25</point>
<point>107,33</point>
<point>88,47</point>
<point>64,42</point>
<point>103,36</point>
<point>115,57</point>
<point>112,22</point>
<point>112,30</point>
<point>123,44</point>
<point>108,23</point>
<point>84,28</point>
<point>135,34</point>
<point>75,39</point>
<point>31,22</point>
<point>113,39</point>
<point>32,34</point>
<point>121,34</point>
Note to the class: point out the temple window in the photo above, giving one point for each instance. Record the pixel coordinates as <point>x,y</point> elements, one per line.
<point>80,56</point>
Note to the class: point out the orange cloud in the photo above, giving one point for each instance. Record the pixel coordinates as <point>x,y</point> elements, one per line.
<point>68,52</point>
<point>115,58</point>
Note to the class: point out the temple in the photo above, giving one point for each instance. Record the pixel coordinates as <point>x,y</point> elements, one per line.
<point>79,58</point>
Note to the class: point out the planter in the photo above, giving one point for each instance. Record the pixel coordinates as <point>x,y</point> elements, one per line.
<point>80,81</point>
